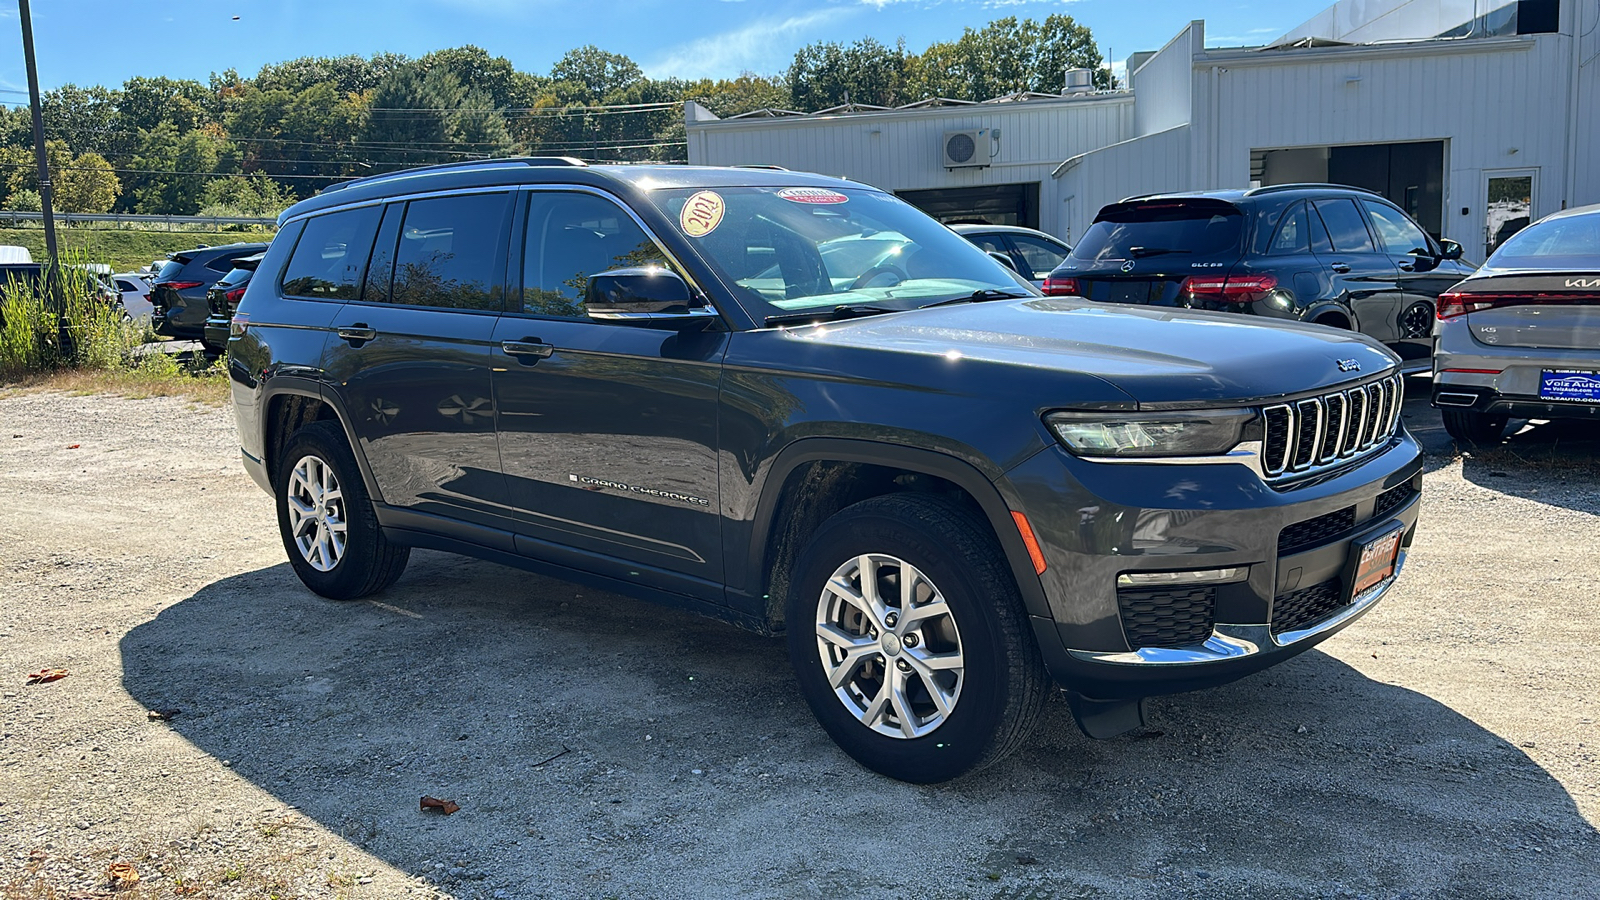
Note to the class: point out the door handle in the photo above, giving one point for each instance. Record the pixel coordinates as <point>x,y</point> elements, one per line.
<point>1408,267</point>
<point>528,351</point>
<point>356,334</point>
<point>1341,268</point>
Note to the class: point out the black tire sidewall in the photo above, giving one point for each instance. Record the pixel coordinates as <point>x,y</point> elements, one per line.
<point>967,736</point>
<point>347,579</point>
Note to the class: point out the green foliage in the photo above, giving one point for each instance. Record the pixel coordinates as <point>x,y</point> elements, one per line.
<point>598,72</point>
<point>87,186</point>
<point>188,157</point>
<point>27,332</point>
<point>423,116</point>
<point>83,332</point>
<point>26,200</point>
<point>828,74</point>
<point>237,195</point>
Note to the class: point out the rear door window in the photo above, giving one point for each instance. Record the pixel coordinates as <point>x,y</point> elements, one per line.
<point>452,252</point>
<point>331,255</point>
<point>1346,227</point>
<point>1160,228</point>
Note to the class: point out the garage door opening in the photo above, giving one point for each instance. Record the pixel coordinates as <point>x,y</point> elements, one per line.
<point>1410,175</point>
<point>991,204</point>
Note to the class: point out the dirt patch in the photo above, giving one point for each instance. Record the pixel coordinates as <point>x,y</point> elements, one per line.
<point>1444,746</point>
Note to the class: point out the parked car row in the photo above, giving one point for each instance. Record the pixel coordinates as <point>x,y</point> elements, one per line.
<point>179,291</point>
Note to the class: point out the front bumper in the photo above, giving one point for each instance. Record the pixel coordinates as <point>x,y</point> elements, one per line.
<point>1095,522</point>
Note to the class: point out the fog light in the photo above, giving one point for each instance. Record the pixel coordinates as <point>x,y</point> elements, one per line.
<point>1167,579</point>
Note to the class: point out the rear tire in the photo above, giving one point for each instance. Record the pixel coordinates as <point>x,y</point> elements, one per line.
<point>921,688</point>
<point>326,518</point>
<point>1474,428</point>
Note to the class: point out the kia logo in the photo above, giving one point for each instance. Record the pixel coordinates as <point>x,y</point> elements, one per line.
<point>1571,282</point>
<point>1349,365</point>
<point>1128,267</point>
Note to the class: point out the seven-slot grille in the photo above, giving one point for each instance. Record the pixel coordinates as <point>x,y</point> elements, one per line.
<point>1318,432</point>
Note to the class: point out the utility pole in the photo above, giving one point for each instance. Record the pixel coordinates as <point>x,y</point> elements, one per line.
<point>38,134</point>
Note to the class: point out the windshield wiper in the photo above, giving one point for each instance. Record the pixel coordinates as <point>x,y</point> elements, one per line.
<point>845,311</point>
<point>979,296</point>
<point>1142,252</point>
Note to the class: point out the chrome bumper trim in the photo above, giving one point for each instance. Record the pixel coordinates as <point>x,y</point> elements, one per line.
<point>1229,641</point>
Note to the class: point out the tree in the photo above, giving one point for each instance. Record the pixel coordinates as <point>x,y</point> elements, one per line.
<point>239,195</point>
<point>348,74</point>
<point>87,186</point>
<point>1004,57</point>
<point>599,72</point>
<point>149,102</point>
<point>418,118</point>
<point>180,164</point>
<point>85,118</point>
<point>828,74</point>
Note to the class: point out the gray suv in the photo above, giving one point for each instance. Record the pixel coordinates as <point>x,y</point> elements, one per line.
<point>945,489</point>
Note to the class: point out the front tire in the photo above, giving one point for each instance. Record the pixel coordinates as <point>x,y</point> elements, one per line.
<point>1474,428</point>
<point>326,518</point>
<point>907,635</point>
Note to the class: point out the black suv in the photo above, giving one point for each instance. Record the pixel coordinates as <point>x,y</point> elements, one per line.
<point>178,292</point>
<point>800,405</point>
<point>222,299</point>
<point>1322,253</point>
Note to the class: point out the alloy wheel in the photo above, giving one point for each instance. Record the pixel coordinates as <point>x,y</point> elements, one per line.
<point>1417,321</point>
<point>316,513</point>
<point>889,646</point>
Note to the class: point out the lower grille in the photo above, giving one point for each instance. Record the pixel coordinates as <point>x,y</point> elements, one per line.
<point>1392,499</point>
<point>1167,617</point>
<point>1312,532</point>
<point>1298,609</point>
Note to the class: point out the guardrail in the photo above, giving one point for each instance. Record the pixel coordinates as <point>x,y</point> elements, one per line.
<point>66,218</point>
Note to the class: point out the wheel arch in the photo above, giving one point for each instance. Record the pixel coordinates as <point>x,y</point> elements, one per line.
<point>289,404</point>
<point>814,478</point>
<point>1320,312</point>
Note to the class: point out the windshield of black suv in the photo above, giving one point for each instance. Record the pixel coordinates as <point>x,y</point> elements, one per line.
<point>1161,228</point>
<point>1570,242</point>
<point>800,249</point>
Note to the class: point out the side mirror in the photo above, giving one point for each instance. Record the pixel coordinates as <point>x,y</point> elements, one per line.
<point>1003,259</point>
<point>1451,249</point>
<point>652,297</point>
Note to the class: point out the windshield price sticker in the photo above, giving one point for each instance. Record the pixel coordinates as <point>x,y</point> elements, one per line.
<point>812,195</point>
<point>702,213</point>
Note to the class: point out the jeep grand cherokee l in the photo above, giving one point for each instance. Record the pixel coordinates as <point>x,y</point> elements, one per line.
<point>941,486</point>
<point>1333,255</point>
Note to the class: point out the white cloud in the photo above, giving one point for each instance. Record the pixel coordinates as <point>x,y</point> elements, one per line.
<point>762,46</point>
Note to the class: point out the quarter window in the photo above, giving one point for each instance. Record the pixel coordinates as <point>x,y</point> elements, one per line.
<point>571,237</point>
<point>1346,227</point>
<point>331,255</point>
<point>1294,232</point>
<point>1398,234</point>
<point>451,252</point>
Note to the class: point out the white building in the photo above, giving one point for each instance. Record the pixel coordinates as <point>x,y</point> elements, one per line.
<point>1472,115</point>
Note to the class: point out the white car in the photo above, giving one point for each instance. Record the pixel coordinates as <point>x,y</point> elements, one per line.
<point>135,293</point>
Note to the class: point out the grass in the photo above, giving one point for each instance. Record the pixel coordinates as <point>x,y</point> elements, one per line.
<point>208,387</point>
<point>124,249</point>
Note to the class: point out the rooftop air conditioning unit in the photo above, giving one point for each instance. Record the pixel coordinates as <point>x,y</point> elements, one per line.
<point>1079,81</point>
<point>966,149</point>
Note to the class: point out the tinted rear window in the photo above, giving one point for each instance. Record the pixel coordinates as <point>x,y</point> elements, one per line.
<point>331,256</point>
<point>170,269</point>
<point>1135,231</point>
<point>1569,243</point>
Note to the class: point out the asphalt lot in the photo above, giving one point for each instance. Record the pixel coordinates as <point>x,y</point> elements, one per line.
<point>1444,746</point>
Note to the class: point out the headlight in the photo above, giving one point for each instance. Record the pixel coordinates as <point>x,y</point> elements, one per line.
<point>1154,434</point>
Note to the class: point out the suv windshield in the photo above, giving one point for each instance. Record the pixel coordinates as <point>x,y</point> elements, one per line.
<point>1157,228</point>
<point>792,250</point>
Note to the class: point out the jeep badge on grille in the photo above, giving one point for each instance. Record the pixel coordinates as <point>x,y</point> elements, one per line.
<point>1349,365</point>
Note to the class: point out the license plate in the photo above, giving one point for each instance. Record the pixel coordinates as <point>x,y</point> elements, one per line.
<point>1375,560</point>
<point>1571,385</point>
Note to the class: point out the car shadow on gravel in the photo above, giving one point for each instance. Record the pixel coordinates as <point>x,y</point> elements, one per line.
<point>600,746</point>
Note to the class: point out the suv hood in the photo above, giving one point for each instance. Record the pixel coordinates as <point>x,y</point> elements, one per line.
<point>1157,356</point>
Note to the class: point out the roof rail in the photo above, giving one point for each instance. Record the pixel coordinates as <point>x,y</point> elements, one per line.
<point>760,166</point>
<point>463,164</point>
<point>1308,185</point>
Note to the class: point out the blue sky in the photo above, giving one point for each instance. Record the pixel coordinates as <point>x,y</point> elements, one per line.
<point>107,41</point>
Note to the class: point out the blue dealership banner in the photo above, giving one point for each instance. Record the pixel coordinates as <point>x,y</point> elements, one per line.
<point>1571,385</point>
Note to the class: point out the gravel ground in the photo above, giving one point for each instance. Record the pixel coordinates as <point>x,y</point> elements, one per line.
<point>1445,746</point>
